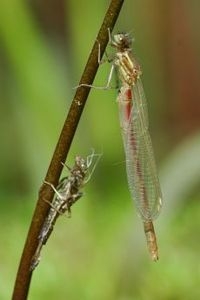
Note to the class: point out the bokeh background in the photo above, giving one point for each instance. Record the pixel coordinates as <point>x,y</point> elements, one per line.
<point>100,253</point>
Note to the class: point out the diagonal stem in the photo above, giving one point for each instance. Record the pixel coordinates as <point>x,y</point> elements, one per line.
<point>24,274</point>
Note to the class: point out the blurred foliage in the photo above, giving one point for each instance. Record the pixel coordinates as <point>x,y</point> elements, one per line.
<point>100,253</point>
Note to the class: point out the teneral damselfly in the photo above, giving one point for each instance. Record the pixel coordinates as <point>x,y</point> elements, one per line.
<point>140,163</point>
<point>66,194</point>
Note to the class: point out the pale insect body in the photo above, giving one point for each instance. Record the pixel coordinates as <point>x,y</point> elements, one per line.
<point>140,164</point>
<point>66,194</point>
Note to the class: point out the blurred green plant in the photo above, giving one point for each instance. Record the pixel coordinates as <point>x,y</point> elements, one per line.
<point>100,253</point>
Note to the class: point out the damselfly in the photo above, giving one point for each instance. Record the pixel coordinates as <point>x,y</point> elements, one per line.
<point>66,194</point>
<point>140,164</point>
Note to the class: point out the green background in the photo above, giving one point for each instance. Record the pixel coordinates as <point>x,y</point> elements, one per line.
<point>100,253</point>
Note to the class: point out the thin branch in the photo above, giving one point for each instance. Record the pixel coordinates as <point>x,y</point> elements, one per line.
<point>24,274</point>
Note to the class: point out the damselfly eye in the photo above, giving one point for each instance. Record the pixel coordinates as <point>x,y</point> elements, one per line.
<point>118,38</point>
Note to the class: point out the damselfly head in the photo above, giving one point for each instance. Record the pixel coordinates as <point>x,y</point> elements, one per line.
<point>122,41</point>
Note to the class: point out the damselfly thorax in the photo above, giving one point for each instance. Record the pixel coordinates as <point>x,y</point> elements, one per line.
<point>129,71</point>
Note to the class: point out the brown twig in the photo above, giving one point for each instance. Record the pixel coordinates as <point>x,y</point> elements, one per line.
<point>24,274</point>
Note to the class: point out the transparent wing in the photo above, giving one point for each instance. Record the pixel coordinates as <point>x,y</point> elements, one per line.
<point>140,163</point>
<point>141,103</point>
